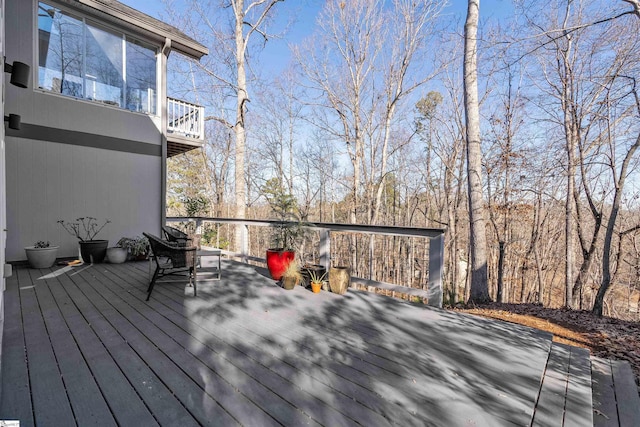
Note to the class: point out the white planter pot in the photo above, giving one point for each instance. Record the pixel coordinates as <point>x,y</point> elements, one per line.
<point>41,257</point>
<point>116,255</point>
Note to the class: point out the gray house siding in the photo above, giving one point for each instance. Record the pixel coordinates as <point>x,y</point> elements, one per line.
<point>50,181</point>
<point>74,158</point>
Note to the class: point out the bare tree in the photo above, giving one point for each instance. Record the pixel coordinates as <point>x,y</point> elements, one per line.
<point>478,238</point>
<point>245,27</point>
<point>619,181</point>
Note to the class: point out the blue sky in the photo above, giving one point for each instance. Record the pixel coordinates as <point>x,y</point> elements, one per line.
<point>305,14</point>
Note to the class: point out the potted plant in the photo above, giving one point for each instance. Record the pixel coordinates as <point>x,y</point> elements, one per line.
<point>339,279</point>
<point>41,254</point>
<point>316,280</point>
<point>287,233</point>
<point>291,276</point>
<point>117,254</point>
<point>307,269</point>
<point>137,247</point>
<point>86,229</point>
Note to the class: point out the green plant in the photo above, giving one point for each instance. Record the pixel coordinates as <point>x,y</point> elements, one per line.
<point>293,273</point>
<point>316,277</point>
<point>136,246</point>
<point>288,233</point>
<point>195,205</point>
<point>84,229</point>
<point>41,244</point>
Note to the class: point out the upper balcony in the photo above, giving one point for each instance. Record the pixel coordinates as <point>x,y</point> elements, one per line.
<point>185,126</point>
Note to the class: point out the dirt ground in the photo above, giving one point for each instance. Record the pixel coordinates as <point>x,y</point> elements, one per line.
<point>604,336</point>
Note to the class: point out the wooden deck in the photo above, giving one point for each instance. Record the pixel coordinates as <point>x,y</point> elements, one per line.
<point>82,347</point>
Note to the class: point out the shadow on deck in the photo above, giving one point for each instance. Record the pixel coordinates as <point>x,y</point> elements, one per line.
<point>82,347</point>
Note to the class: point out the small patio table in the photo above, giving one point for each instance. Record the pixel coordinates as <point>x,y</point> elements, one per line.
<point>215,270</point>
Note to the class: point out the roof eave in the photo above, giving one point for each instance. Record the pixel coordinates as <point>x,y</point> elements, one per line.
<point>183,45</point>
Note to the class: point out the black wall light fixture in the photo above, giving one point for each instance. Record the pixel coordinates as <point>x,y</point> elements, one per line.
<point>19,73</point>
<point>19,77</point>
<point>14,121</point>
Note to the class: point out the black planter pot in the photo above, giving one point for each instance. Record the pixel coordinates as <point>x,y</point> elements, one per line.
<point>93,251</point>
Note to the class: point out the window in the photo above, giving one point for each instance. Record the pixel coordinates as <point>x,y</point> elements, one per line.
<point>83,59</point>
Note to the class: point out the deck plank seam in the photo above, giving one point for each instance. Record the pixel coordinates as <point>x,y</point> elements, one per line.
<point>566,390</point>
<point>539,394</point>
<point>26,354</point>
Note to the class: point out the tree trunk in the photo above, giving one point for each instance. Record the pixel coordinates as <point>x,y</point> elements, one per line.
<point>608,237</point>
<point>478,239</point>
<point>239,128</point>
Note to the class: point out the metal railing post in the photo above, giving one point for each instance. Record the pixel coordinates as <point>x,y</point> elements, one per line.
<point>325,248</point>
<point>436,261</point>
<point>245,242</point>
<point>199,226</point>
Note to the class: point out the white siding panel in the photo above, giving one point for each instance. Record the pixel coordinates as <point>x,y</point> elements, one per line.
<point>51,181</point>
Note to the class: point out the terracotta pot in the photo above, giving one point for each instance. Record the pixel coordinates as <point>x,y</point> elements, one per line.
<point>316,287</point>
<point>93,251</point>
<point>339,279</point>
<point>277,262</point>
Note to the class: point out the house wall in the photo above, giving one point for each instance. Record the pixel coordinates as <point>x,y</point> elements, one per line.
<point>48,181</point>
<point>3,210</point>
<point>74,158</point>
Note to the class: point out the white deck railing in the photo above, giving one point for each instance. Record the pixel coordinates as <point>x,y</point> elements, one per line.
<point>435,236</point>
<point>185,119</point>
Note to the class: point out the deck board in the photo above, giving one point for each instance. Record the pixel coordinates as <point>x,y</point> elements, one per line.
<point>604,398</point>
<point>123,375</point>
<point>305,401</point>
<point>275,375</point>
<point>89,406</point>
<point>579,404</point>
<point>247,352</point>
<point>49,397</point>
<point>16,394</point>
<point>348,358</point>
<point>204,409</point>
<point>627,398</point>
<point>551,403</point>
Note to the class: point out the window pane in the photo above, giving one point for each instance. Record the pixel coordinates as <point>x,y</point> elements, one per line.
<point>60,55</point>
<point>141,78</point>
<point>81,58</point>
<point>104,79</point>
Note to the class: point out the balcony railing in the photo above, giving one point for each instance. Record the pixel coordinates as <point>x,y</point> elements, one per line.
<point>323,251</point>
<point>185,119</point>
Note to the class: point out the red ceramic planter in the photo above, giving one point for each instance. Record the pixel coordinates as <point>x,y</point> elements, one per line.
<point>277,262</point>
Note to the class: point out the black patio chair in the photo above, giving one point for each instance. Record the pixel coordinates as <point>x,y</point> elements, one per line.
<point>170,259</point>
<point>172,234</point>
<point>175,235</point>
